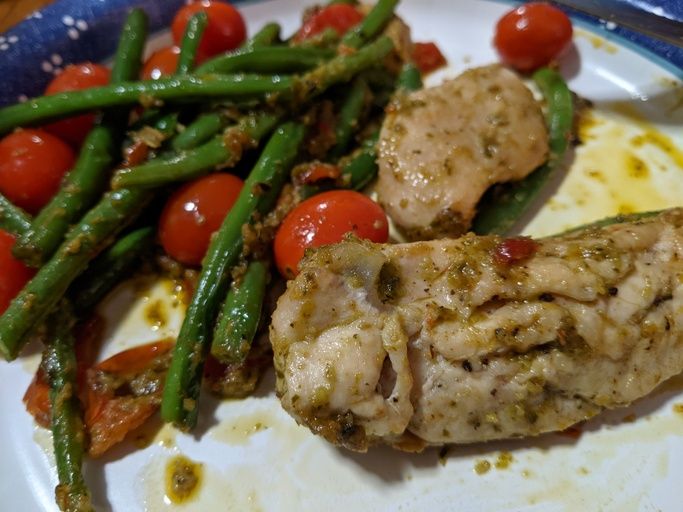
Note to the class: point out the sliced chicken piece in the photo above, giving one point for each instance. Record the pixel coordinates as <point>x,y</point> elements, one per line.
<point>441,148</point>
<point>479,338</point>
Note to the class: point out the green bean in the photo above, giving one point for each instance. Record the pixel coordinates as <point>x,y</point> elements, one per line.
<point>83,242</point>
<point>349,117</point>
<point>68,436</point>
<point>199,131</point>
<point>12,218</point>
<point>86,182</point>
<point>109,269</point>
<point>182,88</point>
<point>269,34</point>
<point>409,79</point>
<point>608,221</point>
<point>219,151</point>
<point>498,213</point>
<point>190,44</point>
<point>372,24</point>
<point>341,69</point>
<point>260,191</point>
<point>328,38</point>
<point>240,315</point>
<point>273,59</point>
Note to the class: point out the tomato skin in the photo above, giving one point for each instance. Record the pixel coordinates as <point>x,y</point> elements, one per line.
<point>532,35</point>
<point>340,17</point>
<point>76,77</point>
<point>32,165</point>
<point>428,57</point>
<point>224,31</point>
<point>13,273</point>
<point>325,219</point>
<point>193,213</point>
<point>513,250</point>
<point>161,63</point>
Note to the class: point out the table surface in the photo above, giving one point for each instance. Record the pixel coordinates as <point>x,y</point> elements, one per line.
<point>13,11</point>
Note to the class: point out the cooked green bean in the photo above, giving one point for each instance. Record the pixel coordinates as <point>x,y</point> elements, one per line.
<point>88,180</point>
<point>199,131</point>
<point>12,218</point>
<point>83,242</point>
<point>608,221</point>
<point>190,44</point>
<point>219,151</point>
<point>260,191</point>
<point>328,38</point>
<point>341,69</point>
<point>269,34</point>
<point>372,24</point>
<point>240,315</point>
<point>273,59</point>
<point>498,213</point>
<point>349,116</point>
<point>182,88</point>
<point>109,269</point>
<point>409,79</point>
<point>68,436</point>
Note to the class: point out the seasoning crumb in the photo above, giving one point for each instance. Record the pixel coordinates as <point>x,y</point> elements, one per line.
<point>678,408</point>
<point>583,471</point>
<point>629,418</point>
<point>481,467</point>
<point>443,455</point>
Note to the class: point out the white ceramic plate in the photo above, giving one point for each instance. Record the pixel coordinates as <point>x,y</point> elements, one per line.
<point>256,458</point>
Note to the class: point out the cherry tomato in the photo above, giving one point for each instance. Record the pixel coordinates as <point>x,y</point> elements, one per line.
<point>428,57</point>
<point>193,213</point>
<point>161,63</point>
<point>13,273</point>
<point>316,171</point>
<point>532,35</point>
<point>76,77</point>
<point>32,165</point>
<point>225,30</point>
<point>116,409</point>
<point>340,17</point>
<point>325,219</point>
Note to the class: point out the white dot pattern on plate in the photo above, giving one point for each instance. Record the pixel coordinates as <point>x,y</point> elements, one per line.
<point>7,42</point>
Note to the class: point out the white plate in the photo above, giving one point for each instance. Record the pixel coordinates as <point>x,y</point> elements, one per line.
<point>628,459</point>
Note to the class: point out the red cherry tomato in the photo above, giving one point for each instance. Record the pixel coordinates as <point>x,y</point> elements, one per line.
<point>325,219</point>
<point>32,165</point>
<point>532,35</point>
<point>512,250</point>
<point>225,30</point>
<point>76,77</point>
<point>428,57</point>
<point>340,17</point>
<point>13,273</point>
<point>161,63</point>
<point>193,213</point>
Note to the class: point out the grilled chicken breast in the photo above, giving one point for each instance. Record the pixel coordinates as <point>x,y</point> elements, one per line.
<point>479,338</point>
<point>441,148</point>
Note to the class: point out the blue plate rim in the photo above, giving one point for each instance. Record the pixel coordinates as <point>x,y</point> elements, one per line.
<point>45,30</point>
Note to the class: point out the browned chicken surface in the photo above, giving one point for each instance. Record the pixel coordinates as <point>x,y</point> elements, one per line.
<point>441,148</point>
<point>474,339</point>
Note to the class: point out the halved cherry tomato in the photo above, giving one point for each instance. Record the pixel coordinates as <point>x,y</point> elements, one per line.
<point>532,35</point>
<point>224,31</point>
<point>37,396</point>
<point>428,57</point>
<point>161,63</point>
<point>325,219</point>
<point>114,408</point>
<point>76,77</point>
<point>32,165</point>
<point>193,213</point>
<point>340,17</point>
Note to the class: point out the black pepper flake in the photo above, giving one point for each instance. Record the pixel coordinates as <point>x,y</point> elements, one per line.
<point>494,392</point>
<point>546,297</point>
<point>613,291</point>
<point>466,366</point>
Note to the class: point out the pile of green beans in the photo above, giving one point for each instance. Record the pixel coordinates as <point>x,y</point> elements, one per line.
<point>81,242</point>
